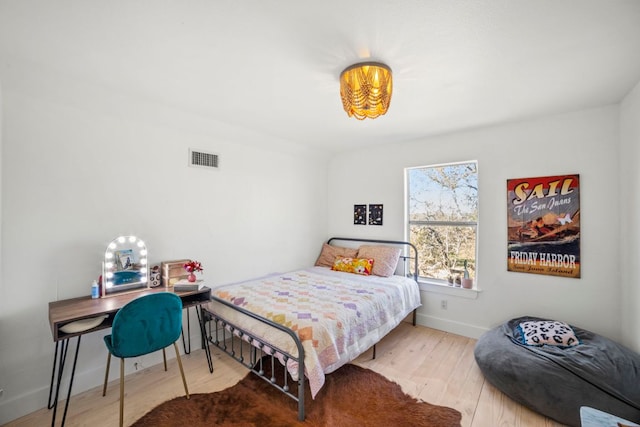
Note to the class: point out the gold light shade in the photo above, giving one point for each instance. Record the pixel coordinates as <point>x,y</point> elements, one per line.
<point>365,89</point>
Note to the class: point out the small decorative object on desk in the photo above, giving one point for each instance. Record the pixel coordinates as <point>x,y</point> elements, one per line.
<point>155,276</point>
<point>186,285</point>
<point>192,267</point>
<point>95,290</point>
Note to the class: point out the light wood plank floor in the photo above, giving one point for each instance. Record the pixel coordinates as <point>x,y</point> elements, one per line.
<point>432,365</point>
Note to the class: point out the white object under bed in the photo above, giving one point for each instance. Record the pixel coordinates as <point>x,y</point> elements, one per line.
<point>336,315</point>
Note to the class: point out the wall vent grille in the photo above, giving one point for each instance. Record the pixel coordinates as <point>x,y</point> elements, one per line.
<point>203,159</point>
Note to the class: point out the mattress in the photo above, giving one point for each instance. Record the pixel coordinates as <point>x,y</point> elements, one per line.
<point>336,315</point>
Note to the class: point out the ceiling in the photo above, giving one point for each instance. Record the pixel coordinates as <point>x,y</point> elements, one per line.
<point>272,66</point>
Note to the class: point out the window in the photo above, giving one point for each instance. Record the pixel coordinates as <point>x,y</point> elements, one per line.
<point>442,219</point>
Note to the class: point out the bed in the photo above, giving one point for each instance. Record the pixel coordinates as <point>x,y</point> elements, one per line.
<point>315,320</point>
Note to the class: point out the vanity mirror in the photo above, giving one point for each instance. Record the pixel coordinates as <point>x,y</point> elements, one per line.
<point>125,265</point>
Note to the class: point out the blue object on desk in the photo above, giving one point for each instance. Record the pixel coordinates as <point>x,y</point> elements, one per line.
<point>125,276</point>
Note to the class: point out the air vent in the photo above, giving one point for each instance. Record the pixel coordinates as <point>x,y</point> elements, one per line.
<point>202,159</point>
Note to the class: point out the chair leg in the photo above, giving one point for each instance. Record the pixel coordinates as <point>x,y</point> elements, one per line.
<point>184,380</point>
<point>121,391</point>
<point>164,357</point>
<point>106,375</point>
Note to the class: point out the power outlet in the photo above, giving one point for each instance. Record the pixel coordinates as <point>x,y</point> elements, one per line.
<point>443,304</point>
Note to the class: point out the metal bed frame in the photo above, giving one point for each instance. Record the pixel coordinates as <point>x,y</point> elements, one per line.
<point>249,349</point>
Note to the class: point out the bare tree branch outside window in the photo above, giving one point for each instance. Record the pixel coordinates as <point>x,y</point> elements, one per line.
<point>443,218</point>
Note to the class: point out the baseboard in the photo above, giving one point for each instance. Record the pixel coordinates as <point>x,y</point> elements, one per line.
<point>22,405</point>
<point>36,399</point>
<point>458,328</point>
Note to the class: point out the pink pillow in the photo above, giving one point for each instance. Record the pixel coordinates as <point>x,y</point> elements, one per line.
<point>385,258</point>
<point>329,253</point>
<point>353,265</point>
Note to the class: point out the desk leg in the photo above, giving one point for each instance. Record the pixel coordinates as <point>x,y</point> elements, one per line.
<point>184,345</point>
<point>203,337</point>
<point>63,356</point>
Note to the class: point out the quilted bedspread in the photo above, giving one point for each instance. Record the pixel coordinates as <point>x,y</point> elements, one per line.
<point>336,315</point>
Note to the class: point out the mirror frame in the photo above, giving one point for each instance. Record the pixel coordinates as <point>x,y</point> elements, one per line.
<point>125,266</point>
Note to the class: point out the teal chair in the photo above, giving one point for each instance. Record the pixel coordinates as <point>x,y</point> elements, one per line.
<point>144,325</point>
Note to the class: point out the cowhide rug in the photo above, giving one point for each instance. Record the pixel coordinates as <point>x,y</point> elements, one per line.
<point>351,396</point>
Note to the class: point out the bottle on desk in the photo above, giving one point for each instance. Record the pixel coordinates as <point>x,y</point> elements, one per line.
<point>95,290</point>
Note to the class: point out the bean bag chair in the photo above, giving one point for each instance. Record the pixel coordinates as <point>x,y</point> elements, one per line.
<point>554,368</point>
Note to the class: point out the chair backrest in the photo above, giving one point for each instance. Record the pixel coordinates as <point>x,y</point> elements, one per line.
<point>146,324</point>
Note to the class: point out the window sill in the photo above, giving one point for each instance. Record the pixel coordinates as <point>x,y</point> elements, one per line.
<point>439,288</point>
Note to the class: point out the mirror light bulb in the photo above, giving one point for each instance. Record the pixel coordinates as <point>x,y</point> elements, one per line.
<point>109,284</point>
<point>132,239</point>
<point>108,255</point>
<point>109,265</point>
<point>121,239</point>
<point>109,274</point>
<point>112,245</point>
<point>143,252</point>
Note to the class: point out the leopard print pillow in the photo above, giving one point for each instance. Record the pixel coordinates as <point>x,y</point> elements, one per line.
<point>548,332</point>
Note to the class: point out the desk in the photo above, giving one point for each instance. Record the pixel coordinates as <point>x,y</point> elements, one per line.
<point>71,310</point>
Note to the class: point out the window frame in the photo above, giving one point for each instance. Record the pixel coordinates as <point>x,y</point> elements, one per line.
<point>408,223</point>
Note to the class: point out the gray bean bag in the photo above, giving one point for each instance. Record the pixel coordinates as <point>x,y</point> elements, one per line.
<point>556,380</point>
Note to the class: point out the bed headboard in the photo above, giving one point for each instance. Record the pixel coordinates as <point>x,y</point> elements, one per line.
<point>404,257</point>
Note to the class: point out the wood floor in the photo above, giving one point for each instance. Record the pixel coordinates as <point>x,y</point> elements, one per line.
<point>432,365</point>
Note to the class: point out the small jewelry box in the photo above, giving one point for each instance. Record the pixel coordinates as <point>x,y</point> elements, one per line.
<point>173,271</point>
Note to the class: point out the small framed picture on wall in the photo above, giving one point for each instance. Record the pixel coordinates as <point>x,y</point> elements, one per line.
<point>360,214</point>
<point>375,214</point>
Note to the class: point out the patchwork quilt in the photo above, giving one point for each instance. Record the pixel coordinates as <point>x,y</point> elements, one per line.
<point>336,315</point>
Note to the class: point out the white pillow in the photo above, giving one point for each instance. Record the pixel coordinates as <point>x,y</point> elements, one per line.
<point>385,258</point>
<point>548,332</point>
<point>82,325</point>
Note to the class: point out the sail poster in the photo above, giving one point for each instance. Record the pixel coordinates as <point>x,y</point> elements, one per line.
<point>544,225</point>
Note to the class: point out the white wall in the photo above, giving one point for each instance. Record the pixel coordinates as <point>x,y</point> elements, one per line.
<point>630,212</point>
<point>3,299</point>
<point>584,142</point>
<point>82,165</point>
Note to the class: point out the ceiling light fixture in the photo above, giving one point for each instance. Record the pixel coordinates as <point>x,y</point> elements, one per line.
<point>365,89</point>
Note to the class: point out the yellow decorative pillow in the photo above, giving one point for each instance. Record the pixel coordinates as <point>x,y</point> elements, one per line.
<point>353,265</point>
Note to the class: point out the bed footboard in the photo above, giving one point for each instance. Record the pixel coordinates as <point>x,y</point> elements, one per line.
<point>249,350</point>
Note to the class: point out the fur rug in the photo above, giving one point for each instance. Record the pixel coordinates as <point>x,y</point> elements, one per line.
<point>351,396</point>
